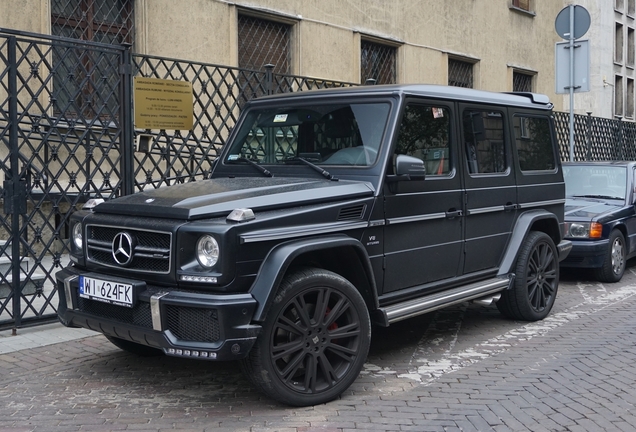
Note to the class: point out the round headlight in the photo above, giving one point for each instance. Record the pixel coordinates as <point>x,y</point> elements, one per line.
<point>579,230</point>
<point>207,251</point>
<point>77,235</point>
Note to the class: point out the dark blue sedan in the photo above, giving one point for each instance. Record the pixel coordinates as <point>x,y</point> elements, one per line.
<point>600,217</point>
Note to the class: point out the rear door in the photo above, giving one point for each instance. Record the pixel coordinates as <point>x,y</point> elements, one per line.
<point>489,180</point>
<point>539,179</point>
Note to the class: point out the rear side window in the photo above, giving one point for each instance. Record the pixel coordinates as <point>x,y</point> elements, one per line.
<point>534,143</point>
<point>484,141</point>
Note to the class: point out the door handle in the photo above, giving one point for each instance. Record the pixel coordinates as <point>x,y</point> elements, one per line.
<point>450,214</point>
<point>509,207</point>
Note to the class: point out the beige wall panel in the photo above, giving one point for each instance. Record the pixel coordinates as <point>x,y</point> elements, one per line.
<point>326,52</point>
<point>199,32</point>
<point>25,15</point>
<point>421,65</point>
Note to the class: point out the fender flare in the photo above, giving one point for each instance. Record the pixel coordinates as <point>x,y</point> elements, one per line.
<point>278,260</point>
<point>519,232</point>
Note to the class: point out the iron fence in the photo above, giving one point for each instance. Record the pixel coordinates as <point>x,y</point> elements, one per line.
<point>67,135</point>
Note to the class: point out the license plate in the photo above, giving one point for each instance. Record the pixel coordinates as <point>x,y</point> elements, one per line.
<point>112,292</point>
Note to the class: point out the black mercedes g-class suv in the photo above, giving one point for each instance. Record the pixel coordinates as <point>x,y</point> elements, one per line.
<point>325,212</point>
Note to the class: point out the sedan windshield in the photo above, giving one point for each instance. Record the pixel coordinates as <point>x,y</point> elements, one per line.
<point>333,134</point>
<point>594,181</point>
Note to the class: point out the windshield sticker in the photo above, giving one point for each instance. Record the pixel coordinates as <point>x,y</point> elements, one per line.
<point>233,157</point>
<point>280,118</point>
<point>438,112</point>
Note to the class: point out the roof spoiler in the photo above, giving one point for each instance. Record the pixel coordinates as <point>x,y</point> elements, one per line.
<point>534,97</point>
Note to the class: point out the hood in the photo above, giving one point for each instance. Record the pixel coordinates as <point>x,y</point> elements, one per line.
<point>589,208</point>
<point>218,197</point>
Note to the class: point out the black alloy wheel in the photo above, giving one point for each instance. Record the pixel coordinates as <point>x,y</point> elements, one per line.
<point>536,282</point>
<point>314,342</point>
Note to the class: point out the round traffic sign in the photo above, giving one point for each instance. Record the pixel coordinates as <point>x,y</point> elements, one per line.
<point>581,22</point>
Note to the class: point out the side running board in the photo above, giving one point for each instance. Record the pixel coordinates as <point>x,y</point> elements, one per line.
<point>421,305</point>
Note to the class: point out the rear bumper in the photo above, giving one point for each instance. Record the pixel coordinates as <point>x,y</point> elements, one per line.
<point>185,324</point>
<point>587,254</point>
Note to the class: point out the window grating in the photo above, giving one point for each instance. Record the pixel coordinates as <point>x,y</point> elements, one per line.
<point>377,62</point>
<point>522,4</point>
<point>105,21</point>
<point>262,42</point>
<point>460,73</point>
<point>521,82</point>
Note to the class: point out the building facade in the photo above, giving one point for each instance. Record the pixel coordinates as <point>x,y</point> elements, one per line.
<point>500,45</point>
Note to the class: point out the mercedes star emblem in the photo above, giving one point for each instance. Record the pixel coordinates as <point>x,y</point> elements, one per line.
<point>123,248</point>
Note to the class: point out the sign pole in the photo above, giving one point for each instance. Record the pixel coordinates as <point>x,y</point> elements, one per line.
<point>571,82</point>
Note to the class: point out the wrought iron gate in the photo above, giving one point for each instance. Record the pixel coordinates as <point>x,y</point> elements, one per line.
<point>66,136</point>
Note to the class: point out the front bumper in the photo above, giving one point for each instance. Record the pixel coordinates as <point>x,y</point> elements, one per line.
<point>185,324</point>
<point>587,254</point>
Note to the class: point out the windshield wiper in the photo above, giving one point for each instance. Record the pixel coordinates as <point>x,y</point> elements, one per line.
<point>598,196</point>
<point>312,165</point>
<point>262,169</point>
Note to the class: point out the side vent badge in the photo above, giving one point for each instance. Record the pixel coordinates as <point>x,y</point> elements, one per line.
<point>241,215</point>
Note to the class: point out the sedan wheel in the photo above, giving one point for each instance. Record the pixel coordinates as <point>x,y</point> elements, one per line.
<point>614,264</point>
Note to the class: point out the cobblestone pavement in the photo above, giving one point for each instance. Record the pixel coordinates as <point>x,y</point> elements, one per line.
<point>464,368</point>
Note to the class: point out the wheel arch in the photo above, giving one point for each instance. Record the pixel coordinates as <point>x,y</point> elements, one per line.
<point>341,254</point>
<point>534,220</point>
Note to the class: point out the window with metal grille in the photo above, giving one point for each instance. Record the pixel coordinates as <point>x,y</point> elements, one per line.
<point>460,73</point>
<point>106,21</point>
<point>521,82</point>
<point>262,42</point>
<point>377,62</point>
<point>85,82</point>
<point>522,4</point>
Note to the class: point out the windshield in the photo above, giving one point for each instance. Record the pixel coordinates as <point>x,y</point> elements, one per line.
<point>333,134</point>
<point>595,181</point>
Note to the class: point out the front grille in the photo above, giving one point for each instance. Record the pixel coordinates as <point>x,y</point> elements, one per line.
<point>193,324</point>
<point>138,315</point>
<point>150,249</point>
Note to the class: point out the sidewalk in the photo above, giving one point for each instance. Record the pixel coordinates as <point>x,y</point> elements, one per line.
<point>39,336</point>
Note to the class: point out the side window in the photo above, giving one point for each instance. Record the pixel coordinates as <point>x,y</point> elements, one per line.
<point>425,134</point>
<point>484,141</point>
<point>534,143</point>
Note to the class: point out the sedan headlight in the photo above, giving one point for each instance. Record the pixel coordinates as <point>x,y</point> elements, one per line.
<point>78,238</point>
<point>207,251</point>
<point>590,230</point>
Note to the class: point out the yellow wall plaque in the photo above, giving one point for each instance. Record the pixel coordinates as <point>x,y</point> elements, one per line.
<point>163,104</point>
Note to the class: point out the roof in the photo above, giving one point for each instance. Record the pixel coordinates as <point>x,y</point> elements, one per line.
<point>530,100</point>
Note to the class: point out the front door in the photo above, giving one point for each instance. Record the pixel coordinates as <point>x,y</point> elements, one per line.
<point>423,241</point>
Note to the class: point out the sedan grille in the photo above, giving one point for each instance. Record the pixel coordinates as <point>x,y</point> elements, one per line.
<point>139,251</point>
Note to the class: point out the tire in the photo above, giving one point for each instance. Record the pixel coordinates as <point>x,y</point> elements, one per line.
<point>314,342</point>
<point>134,348</point>
<point>536,282</point>
<point>614,263</point>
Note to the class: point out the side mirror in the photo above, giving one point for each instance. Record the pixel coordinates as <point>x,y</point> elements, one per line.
<point>409,167</point>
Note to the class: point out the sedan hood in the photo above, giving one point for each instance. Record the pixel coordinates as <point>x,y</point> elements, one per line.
<point>218,197</point>
<point>589,208</point>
